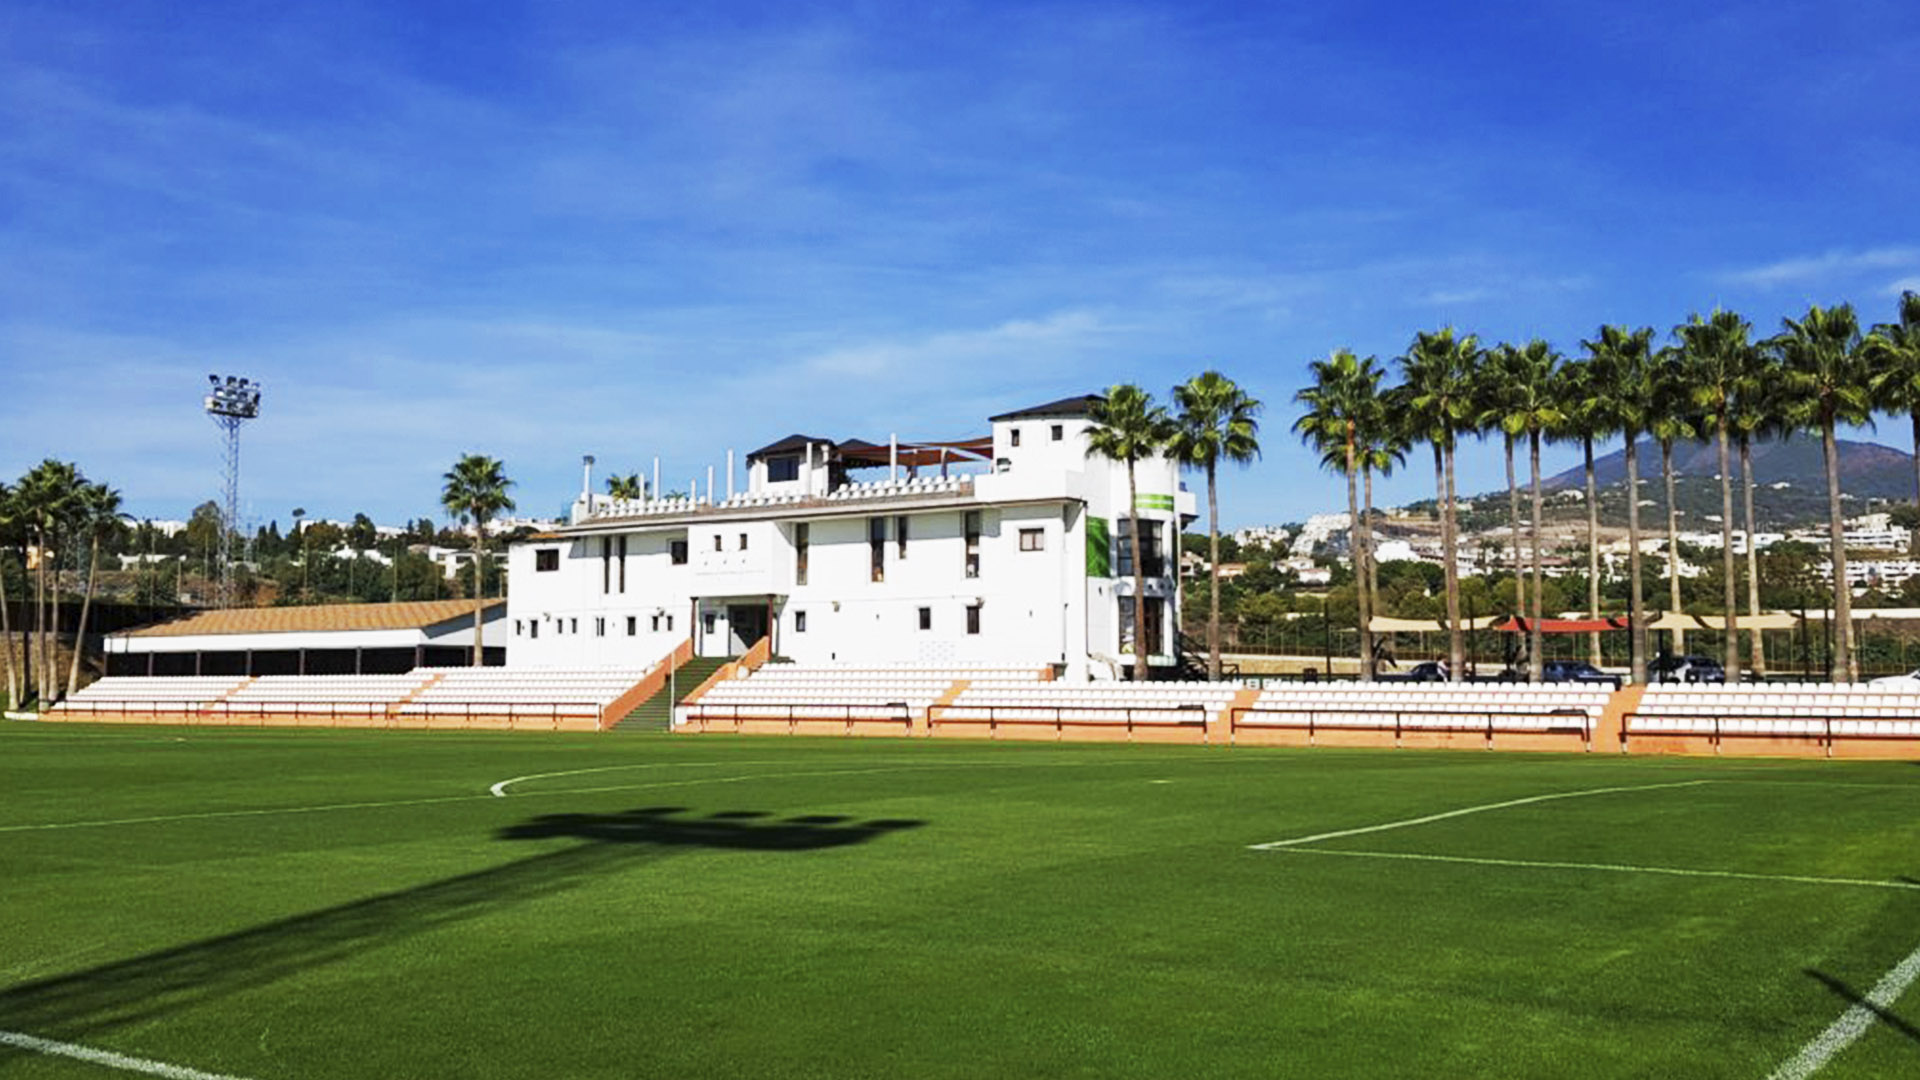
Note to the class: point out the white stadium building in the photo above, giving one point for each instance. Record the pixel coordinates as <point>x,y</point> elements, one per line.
<point>1005,549</point>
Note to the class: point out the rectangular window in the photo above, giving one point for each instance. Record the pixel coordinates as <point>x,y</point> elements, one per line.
<point>633,625</point>
<point>677,552</point>
<point>656,623</point>
<point>623,564</point>
<point>782,469</point>
<point>1033,539</point>
<point>533,628</point>
<point>1013,437</point>
<point>1059,432</point>
<point>972,530</point>
<point>743,541</point>
<point>802,536</point>
<point>900,535</point>
<point>516,628</point>
<point>973,618</point>
<point>926,618</point>
<point>573,626</point>
<point>877,547</point>
<point>707,622</point>
<point>606,565</point>
<point>600,626</point>
<point>1152,563</point>
<point>719,542</point>
<point>669,624</point>
<point>799,622</point>
<point>546,559</point>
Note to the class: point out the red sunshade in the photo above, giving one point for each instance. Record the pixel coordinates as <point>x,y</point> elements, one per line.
<point>1517,625</point>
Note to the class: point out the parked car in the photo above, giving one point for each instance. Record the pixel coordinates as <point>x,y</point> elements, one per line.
<point>1427,671</point>
<point>1690,669</point>
<point>1910,681</point>
<point>1576,671</point>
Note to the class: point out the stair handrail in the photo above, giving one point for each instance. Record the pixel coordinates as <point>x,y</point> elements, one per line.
<point>617,709</point>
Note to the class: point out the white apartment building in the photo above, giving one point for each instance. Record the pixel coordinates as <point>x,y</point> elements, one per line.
<point>1008,548</point>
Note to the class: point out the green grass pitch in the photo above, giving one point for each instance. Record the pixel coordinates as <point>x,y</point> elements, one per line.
<point>318,904</point>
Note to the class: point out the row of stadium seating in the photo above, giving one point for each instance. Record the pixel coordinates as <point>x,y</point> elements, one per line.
<point>438,691</point>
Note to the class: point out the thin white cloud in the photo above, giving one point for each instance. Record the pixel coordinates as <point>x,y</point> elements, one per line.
<point>1827,266</point>
<point>1904,285</point>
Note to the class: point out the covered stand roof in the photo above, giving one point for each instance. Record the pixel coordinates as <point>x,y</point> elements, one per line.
<point>315,618</point>
<point>861,454</point>
<point>1081,405</point>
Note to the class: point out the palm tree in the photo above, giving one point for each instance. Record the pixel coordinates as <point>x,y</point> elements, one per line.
<point>1582,420</point>
<point>1825,377</point>
<point>1532,408</point>
<point>1218,421</point>
<point>46,495</point>
<point>1672,419</point>
<point>1759,412</point>
<point>1381,448</point>
<point>1340,405</point>
<point>624,487</point>
<point>6,617</point>
<point>1128,427</point>
<point>476,490</point>
<point>1493,393</point>
<point>1437,404</point>
<point>1893,352</point>
<point>1618,361</point>
<point>1716,364</point>
<point>100,518</point>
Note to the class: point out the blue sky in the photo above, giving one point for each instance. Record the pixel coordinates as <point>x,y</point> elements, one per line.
<point>634,229</point>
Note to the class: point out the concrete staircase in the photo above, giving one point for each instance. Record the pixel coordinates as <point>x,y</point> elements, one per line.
<point>656,712</point>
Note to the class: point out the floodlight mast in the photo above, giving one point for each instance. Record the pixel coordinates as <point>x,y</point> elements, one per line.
<point>230,402</point>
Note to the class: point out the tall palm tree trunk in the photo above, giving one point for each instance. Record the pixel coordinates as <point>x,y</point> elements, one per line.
<point>1914,416</point>
<point>1456,637</point>
<point>1593,555</point>
<point>1536,660</point>
<point>1636,594</point>
<point>6,639</point>
<point>1213,574</point>
<point>1845,667</point>
<point>1729,591</point>
<point>40,620</point>
<point>1373,565</point>
<point>53,643</point>
<point>479,594</point>
<point>80,631</point>
<point>1759,655</point>
<point>1359,565</point>
<point>1513,535</point>
<point>1139,581</point>
<point>1673,546</point>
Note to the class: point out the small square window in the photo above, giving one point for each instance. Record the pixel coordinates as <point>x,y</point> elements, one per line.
<point>546,559</point>
<point>1059,432</point>
<point>1033,539</point>
<point>677,552</point>
<point>926,618</point>
<point>799,622</point>
<point>1013,437</point>
<point>973,618</point>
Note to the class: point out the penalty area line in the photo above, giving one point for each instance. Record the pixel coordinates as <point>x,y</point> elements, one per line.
<point>1612,868</point>
<point>107,1058</point>
<point>1407,823</point>
<point>1852,1024</point>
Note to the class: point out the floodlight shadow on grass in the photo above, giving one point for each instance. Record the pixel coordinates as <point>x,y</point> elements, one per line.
<point>144,987</point>
<point>1851,996</point>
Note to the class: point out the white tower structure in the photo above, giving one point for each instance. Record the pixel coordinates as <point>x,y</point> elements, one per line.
<point>230,402</point>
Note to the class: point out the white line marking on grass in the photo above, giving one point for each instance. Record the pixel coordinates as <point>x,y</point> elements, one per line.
<point>1274,845</point>
<point>1617,868</point>
<point>1852,1024</point>
<point>499,790</point>
<point>108,1058</point>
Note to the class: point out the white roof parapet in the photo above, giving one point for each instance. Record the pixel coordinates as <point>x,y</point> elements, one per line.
<point>920,487</point>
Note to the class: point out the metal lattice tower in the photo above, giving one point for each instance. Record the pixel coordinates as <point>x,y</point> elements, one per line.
<point>230,403</point>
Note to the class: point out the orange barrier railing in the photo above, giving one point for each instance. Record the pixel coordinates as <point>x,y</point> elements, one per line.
<point>1469,721</point>
<point>1061,717</point>
<point>898,712</point>
<point>1713,726</point>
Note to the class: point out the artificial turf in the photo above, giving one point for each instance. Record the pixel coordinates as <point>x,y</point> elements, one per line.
<point>281,904</point>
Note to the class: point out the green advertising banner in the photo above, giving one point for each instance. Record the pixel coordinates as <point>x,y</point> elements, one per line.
<point>1099,548</point>
<point>1153,502</point>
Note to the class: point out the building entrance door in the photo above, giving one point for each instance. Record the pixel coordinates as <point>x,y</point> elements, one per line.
<point>746,625</point>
